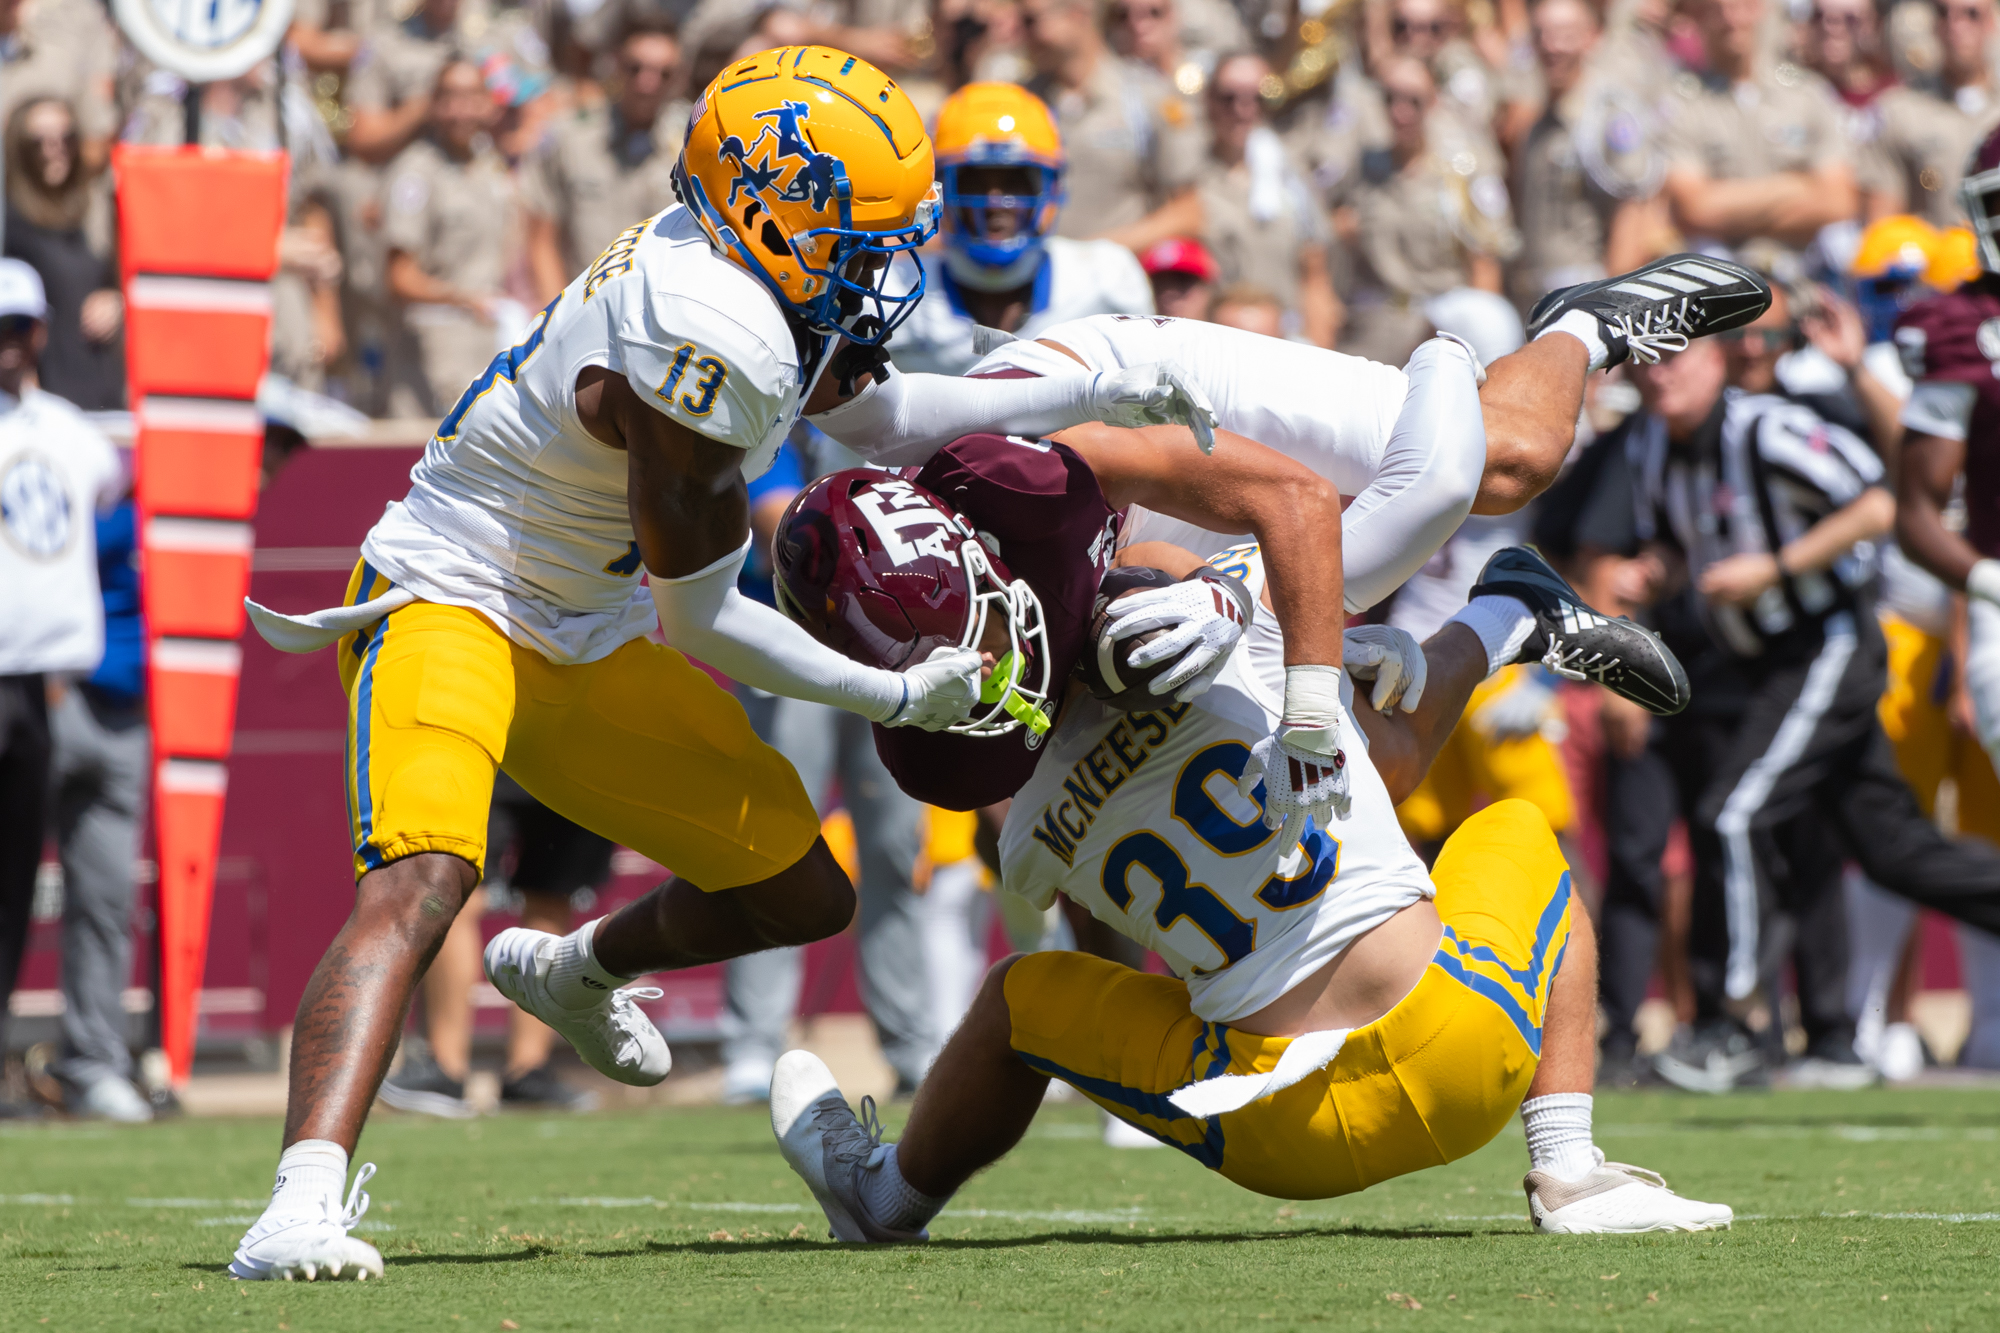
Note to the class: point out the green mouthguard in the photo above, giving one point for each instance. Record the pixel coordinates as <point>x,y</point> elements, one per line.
<point>996,690</point>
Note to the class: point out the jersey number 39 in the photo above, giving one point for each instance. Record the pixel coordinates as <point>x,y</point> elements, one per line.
<point>1199,812</point>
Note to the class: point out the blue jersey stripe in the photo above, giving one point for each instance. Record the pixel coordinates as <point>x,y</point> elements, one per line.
<point>1208,1152</point>
<point>1479,984</point>
<point>1453,953</point>
<point>364,704</point>
<point>1529,978</point>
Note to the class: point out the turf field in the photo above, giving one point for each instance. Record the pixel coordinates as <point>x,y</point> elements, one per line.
<point>1877,1210</point>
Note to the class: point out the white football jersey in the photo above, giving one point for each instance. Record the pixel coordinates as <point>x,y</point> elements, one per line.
<point>518,512</point>
<point>1082,278</point>
<point>1331,412</point>
<point>1136,817</point>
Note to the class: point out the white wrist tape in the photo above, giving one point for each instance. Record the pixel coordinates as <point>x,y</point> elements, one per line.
<point>1312,696</point>
<point>1983,581</point>
<point>704,616</point>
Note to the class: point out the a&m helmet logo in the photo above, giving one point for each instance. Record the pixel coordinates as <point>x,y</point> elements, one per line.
<point>895,508</point>
<point>778,147</point>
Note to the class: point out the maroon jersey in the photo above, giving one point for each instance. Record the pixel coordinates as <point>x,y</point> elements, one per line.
<point>1950,346</point>
<point>1047,519</point>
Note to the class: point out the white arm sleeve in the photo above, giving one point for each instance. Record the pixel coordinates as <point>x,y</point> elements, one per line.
<point>705,616</point>
<point>1428,480</point>
<point>902,421</point>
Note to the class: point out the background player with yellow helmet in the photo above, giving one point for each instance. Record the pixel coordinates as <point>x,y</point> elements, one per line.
<point>497,617</point>
<point>1001,163</point>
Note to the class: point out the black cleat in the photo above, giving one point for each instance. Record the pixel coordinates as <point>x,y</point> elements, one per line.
<point>1659,307</point>
<point>1578,643</point>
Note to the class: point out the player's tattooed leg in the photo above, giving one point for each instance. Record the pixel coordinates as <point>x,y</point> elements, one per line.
<point>359,995</point>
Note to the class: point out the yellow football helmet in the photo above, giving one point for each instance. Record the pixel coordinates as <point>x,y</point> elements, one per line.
<point>990,136</point>
<point>1888,270</point>
<point>809,168</point>
<point>1955,261</point>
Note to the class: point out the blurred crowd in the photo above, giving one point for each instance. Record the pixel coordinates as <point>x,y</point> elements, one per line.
<point>1358,174</point>
<point>1353,170</point>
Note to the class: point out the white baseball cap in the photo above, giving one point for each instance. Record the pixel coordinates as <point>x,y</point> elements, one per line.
<point>21,290</point>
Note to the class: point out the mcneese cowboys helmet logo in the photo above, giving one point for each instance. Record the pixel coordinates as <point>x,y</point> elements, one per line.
<point>777,146</point>
<point>801,161</point>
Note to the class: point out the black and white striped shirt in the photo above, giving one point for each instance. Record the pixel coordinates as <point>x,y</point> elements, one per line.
<point>1759,474</point>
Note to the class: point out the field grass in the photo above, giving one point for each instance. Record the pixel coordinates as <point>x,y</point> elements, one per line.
<point>1877,1210</point>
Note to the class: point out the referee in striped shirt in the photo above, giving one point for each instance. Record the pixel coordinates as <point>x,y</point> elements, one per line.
<point>1773,515</point>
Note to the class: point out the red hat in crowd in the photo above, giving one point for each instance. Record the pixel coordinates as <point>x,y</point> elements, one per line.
<point>1180,254</point>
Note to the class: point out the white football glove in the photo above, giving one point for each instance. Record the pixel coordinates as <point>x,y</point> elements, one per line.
<point>1205,612</point>
<point>1983,581</point>
<point>1301,764</point>
<point>1391,658</point>
<point>1155,393</point>
<point>942,690</point>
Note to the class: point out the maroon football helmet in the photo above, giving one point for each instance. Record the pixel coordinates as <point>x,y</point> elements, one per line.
<point>881,570</point>
<point>1979,194</point>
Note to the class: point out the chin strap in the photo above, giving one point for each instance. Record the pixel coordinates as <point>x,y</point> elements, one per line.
<point>854,361</point>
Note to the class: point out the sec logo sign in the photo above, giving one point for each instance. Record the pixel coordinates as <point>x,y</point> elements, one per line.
<point>204,41</point>
<point>35,508</point>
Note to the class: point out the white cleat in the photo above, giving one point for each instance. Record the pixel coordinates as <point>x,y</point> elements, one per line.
<point>307,1246</point>
<point>1616,1199</point>
<point>613,1036</point>
<point>828,1146</point>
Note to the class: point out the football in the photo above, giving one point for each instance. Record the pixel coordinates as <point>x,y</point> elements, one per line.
<point>1105,665</point>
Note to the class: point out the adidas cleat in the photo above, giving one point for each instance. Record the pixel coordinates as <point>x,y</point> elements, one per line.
<point>1578,643</point>
<point>310,1245</point>
<point>1616,1199</point>
<point>829,1146</point>
<point>613,1036</point>
<point>1660,307</point>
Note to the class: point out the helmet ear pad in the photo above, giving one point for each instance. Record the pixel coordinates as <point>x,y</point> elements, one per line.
<point>1104,666</point>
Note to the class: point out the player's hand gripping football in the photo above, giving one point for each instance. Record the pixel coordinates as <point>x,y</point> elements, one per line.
<point>1204,616</point>
<point>1301,764</point>
<point>942,690</point>
<point>1154,393</point>
<point>1391,658</point>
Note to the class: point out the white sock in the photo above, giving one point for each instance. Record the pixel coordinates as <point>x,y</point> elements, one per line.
<point>576,979</point>
<point>892,1200</point>
<point>1558,1128</point>
<point>1503,624</point>
<point>311,1173</point>
<point>1582,326</point>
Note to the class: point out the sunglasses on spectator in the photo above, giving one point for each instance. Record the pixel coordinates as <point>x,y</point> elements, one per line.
<point>1405,28</point>
<point>649,66</point>
<point>17,326</point>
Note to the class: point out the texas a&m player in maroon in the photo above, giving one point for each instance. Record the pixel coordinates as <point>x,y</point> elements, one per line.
<point>991,532</point>
<point>1950,345</point>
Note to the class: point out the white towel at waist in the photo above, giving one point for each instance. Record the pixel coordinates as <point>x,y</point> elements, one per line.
<point>314,630</point>
<point>1306,1055</point>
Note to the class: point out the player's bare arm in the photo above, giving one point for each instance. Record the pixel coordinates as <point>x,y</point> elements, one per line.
<point>1741,579</point>
<point>1241,487</point>
<point>1931,467</point>
<point>685,491</point>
